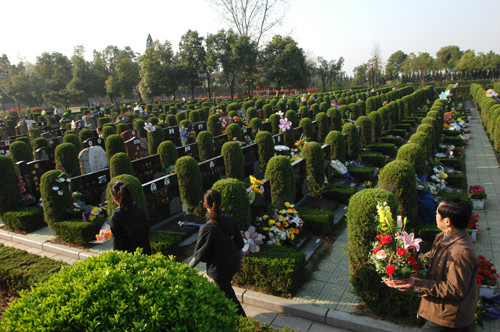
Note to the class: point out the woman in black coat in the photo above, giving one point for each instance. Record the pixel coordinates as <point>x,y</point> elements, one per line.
<point>128,223</point>
<point>219,245</point>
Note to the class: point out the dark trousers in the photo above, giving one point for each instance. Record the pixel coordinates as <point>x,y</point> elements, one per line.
<point>433,327</point>
<point>225,286</point>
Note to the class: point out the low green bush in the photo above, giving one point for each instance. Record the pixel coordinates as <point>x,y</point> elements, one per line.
<point>397,141</point>
<point>452,140</point>
<point>397,132</point>
<point>456,180</point>
<point>275,270</point>
<point>340,193</point>
<point>10,197</point>
<point>388,149</point>
<point>167,244</point>
<point>406,126</point>
<point>85,134</point>
<point>457,163</point>
<point>26,219</point>
<point>119,291</point>
<point>318,222</point>
<point>366,129</point>
<point>77,231</point>
<point>22,270</point>
<point>374,159</point>
<point>361,173</point>
<point>451,132</point>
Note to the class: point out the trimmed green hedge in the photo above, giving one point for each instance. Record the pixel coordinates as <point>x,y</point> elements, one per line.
<point>341,193</point>
<point>77,231</point>
<point>26,219</point>
<point>275,270</point>
<point>361,173</point>
<point>375,159</point>
<point>318,222</point>
<point>164,243</point>
<point>10,198</point>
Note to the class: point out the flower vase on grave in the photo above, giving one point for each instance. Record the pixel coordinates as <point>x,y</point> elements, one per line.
<point>473,234</point>
<point>478,204</point>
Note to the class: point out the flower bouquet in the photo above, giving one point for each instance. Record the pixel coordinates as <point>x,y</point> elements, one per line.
<point>486,274</point>
<point>394,254</point>
<point>282,226</point>
<point>477,192</point>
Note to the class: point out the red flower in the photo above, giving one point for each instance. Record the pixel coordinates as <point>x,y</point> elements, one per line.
<point>411,260</point>
<point>376,250</point>
<point>417,267</point>
<point>379,236</point>
<point>401,251</point>
<point>386,239</point>
<point>390,269</point>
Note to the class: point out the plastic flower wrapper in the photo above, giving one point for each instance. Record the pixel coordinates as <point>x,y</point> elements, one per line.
<point>340,167</point>
<point>104,233</point>
<point>252,241</point>
<point>394,253</point>
<point>184,135</point>
<point>281,114</point>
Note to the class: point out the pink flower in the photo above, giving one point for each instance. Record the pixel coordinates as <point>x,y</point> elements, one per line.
<point>381,254</point>
<point>409,240</point>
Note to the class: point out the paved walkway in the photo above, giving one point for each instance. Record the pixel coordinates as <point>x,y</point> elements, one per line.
<point>326,302</point>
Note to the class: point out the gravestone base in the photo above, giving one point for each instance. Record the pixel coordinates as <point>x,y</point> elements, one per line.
<point>172,226</point>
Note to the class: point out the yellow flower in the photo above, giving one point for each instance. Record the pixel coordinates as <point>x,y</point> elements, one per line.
<point>287,204</point>
<point>265,216</point>
<point>257,190</point>
<point>265,228</point>
<point>255,181</point>
<point>292,236</point>
<point>290,210</point>
<point>442,176</point>
<point>92,217</point>
<point>285,224</point>
<point>278,243</point>
<point>272,221</point>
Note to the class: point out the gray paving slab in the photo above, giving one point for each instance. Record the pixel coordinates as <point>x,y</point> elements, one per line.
<point>300,324</point>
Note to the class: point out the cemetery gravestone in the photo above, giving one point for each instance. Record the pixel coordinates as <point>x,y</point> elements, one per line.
<point>92,159</point>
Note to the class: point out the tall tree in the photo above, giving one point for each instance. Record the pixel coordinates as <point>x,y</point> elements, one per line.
<point>192,57</point>
<point>235,55</point>
<point>360,74</point>
<point>394,65</point>
<point>447,58</point>
<point>468,64</point>
<point>5,66</point>
<point>423,64</point>
<point>375,67</point>
<point>284,63</point>
<point>252,18</point>
<point>53,70</point>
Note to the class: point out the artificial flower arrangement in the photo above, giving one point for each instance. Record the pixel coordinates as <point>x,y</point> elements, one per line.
<point>257,188</point>
<point>477,192</point>
<point>314,189</point>
<point>239,120</point>
<point>486,274</point>
<point>252,241</point>
<point>282,226</point>
<point>394,254</point>
<point>26,197</point>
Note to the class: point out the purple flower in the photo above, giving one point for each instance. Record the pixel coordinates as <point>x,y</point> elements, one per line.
<point>285,124</point>
<point>86,215</point>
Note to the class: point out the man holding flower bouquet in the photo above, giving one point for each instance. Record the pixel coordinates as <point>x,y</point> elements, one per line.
<point>449,294</point>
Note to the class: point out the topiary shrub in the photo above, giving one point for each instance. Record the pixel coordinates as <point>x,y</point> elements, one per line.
<point>283,267</point>
<point>10,198</point>
<point>66,158</point>
<point>24,139</point>
<point>40,142</point>
<point>291,115</point>
<point>55,202</point>
<point>415,155</point>
<point>352,140</point>
<point>361,231</point>
<point>235,200</point>
<point>366,129</point>
<point>323,125</point>
<point>398,176</point>
<point>84,288</point>
<point>234,132</point>
<point>114,144</point>
<point>20,151</point>
<point>355,111</point>
<point>26,219</point>
<point>315,162</point>
<point>304,112</point>
<point>335,116</point>
<point>168,154</point>
<point>75,140</point>
<point>119,164</point>
<point>307,128</point>
<point>429,130</point>
<point>268,110</point>
<point>107,131</point>
<point>251,113</point>
<point>190,182</point>
<point>233,160</point>
<point>376,120</point>
<point>213,125</point>
<point>136,190</point>
<point>424,140</point>
<point>138,126</point>
<point>314,110</point>
<point>194,116</point>
<point>121,127</point>
<point>206,149</point>
<point>256,125</point>
<point>265,147</point>
<point>85,134</point>
<point>282,181</point>
<point>171,120</point>
<point>338,147</point>
<point>103,120</point>
<point>496,135</point>
<point>275,122</point>
<point>155,138</point>
<point>34,131</point>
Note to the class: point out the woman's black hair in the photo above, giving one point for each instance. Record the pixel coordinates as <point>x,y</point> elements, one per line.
<point>458,210</point>
<point>213,200</point>
<point>122,195</point>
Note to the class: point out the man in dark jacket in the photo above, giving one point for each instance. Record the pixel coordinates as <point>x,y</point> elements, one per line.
<point>449,294</point>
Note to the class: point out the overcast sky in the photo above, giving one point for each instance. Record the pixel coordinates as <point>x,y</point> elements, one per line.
<point>327,28</point>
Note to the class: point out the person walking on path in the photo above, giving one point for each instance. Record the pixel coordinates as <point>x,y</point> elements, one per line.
<point>128,224</point>
<point>449,294</point>
<point>219,245</point>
